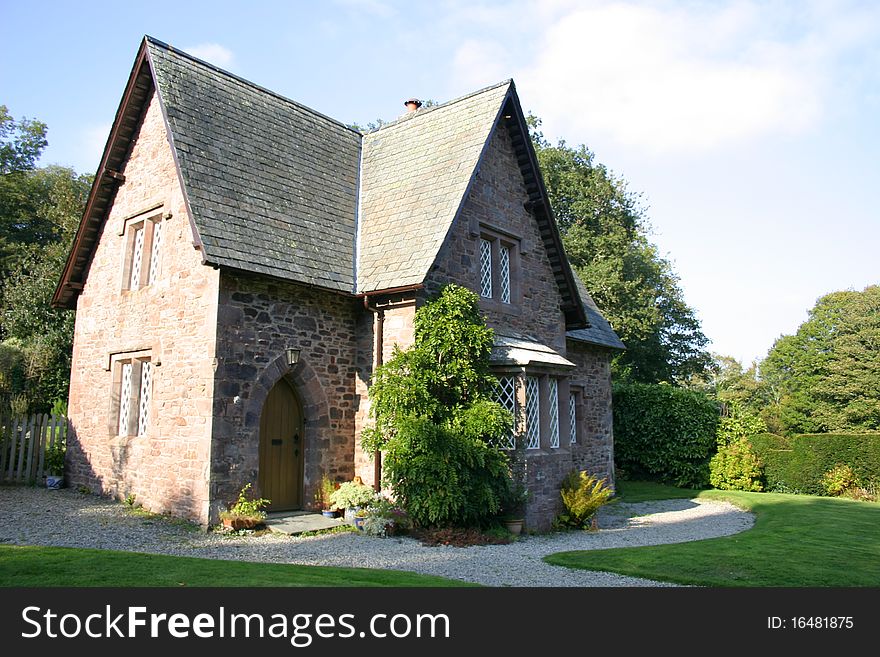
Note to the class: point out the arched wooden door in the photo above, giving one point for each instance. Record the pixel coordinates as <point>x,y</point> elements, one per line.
<point>281,449</point>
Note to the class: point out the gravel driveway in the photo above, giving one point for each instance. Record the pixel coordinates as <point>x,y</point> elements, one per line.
<point>36,516</point>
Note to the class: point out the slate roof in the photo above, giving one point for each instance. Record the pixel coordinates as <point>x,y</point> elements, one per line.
<point>599,332</point>
<point>415,175</point>
<point>272,185</point>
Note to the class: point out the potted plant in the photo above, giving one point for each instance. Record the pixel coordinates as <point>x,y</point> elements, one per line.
<point>513,505</point>
<point>54,463</point>
<point>514,508</point>
<point>385,518</point>
<point>245,513</point>
<point>360,516</point>
<point>352,496</point>
<point>323,497</point>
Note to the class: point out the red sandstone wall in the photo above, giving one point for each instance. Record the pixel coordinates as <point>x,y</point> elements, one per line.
<point>167,469</point>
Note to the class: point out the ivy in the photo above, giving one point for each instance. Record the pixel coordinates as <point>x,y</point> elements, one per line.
<point>436,419</point>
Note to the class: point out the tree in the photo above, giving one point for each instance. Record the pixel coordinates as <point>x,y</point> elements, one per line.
<point>436,420</point>
<point>826,377</point>
<point>43,334</point>
<point>40,209</point>
<point>604,232</point>
<point>733,385</point>
<point>21,142</point>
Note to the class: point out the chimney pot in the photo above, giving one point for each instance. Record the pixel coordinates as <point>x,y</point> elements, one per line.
<point>413,104</point>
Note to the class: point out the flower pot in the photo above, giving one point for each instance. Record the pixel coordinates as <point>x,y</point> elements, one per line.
<point>359,522</point>
<point>349,514</point>
<point>327,513</point>
<point>54,482</point>
<point>514,526</point>
<point>241,522</point>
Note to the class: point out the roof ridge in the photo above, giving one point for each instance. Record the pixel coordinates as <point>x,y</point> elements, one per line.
<point>422,112</point>
<point>177,51</point>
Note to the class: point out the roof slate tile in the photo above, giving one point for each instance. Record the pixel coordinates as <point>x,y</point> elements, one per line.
<point>263,169</point>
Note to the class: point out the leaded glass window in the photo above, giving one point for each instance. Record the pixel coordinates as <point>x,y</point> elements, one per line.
<point>507,398</point>
<point>154,253</point>
<point>553,412</point>
<point>533,413</point>
<point>125,398</point>
<point>485,269</point>
<point>134,379</point>
<point>145,394</point>
<point>572,418</point>
<point>137,257</point>
<point>504,272</point>
<point>144,244</point>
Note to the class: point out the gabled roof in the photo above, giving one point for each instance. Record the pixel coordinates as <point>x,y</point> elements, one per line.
<point>599,332</point>
<point>272,187</point>
<point>416,173</point>
<point>271,184</point>
<point>128,116</point>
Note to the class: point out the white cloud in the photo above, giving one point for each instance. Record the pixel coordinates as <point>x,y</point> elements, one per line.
<point>213,53</point>
<point>669,80</point>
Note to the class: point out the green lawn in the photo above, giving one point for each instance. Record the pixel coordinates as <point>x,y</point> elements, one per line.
<point>51,566</point>
<point>644,491</point>
<point>797,540</point>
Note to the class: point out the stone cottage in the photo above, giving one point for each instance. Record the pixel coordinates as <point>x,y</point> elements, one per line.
<point>244,263</point>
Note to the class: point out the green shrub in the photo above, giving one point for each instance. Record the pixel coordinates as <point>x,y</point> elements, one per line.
<point>738,424</point>
<point>664,433</point>
<point>436,419</point>
<point>583,495</point>
<point>443,477</point>
<point>736,467</point>
<point>386,518</point>
<point>838,480</point>
<point>246,507</point>
<point>352,494</point>
<point>54,460</point>
<point>799,463</point>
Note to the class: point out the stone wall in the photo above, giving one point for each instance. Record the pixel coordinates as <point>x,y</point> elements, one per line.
<point>596,451</point>
<point>258,319</point>
<point>495,205</point>
<point>173,320</point>
<point>397,330</point>
<point>496,201</point>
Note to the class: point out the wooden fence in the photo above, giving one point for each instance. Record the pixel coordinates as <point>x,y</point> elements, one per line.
<point>23,444</point>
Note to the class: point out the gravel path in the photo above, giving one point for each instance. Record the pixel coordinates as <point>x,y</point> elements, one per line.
<point>36,516</point>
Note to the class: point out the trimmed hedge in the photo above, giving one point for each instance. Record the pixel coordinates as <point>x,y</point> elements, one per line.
<point>797,464</point>
<point>664,433</point>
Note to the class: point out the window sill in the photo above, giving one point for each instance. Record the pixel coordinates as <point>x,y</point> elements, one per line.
<point>499,307</point>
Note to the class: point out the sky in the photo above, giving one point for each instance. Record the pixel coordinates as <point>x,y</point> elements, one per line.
<point>750,129</point>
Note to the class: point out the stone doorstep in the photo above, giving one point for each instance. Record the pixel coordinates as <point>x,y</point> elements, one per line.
<point>297,522</point>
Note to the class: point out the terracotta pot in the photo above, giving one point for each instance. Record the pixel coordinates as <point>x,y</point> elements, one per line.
<point>241,522</point>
